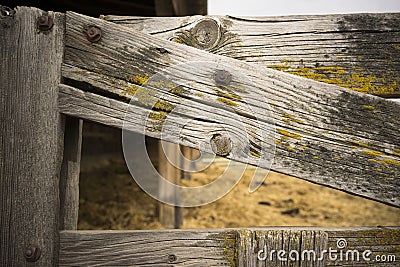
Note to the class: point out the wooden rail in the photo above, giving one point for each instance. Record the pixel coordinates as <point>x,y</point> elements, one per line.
<point>325,134</point>
<point>356,51</point>
<point>224,247</point>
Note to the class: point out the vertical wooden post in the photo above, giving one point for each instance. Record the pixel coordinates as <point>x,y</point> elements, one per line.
<point>69,179</point>
<point>31,138</point>
<point>167,214</point>
<point>170,216</point>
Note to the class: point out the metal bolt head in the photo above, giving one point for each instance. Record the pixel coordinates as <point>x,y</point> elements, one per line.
<point>171,258</point>
<point>45,23</point>
<point>94,34</point>
<point>222,78</point>
<point>221,145</point>
<point>32,253</point>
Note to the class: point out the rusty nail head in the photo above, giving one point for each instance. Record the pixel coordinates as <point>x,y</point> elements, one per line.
<point>222,78</point>
<point>32,253</point>
<point>45,23</point>
<point>221,145</point>
<point>94,34</point>
<point>171,258</point>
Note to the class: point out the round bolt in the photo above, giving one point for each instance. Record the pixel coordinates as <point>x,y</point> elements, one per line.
<point>94,34</point>
<point>221,144</point>
<point>45,23</point>
<point>32,253</point>
<point>171,258</point>
<point>222,78</point>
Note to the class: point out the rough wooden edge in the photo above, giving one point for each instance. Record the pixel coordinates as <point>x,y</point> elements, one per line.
<point>212,247</point>
<point>349,50</point>
<point>69,180</point>
<point>31,138</point>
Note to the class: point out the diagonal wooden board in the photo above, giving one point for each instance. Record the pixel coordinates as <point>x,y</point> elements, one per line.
<point>356,51</point>
<point>325,134</point>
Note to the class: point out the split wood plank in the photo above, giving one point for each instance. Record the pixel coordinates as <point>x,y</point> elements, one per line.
<point>31,137</point>
<point>356,51</point>
<point>223,247</point>
<point>325,134</point>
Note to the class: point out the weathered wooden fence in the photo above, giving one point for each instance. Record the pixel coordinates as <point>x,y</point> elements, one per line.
<point>55,64</point>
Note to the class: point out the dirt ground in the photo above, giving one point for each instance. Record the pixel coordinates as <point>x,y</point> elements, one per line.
<point>110,199</point>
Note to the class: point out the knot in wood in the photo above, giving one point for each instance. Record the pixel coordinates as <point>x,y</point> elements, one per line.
<point>32,253</point>
<point>206,34</point>
<point>221,144</point>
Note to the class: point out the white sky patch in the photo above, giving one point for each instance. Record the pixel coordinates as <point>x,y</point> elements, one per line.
<point>304,7</point>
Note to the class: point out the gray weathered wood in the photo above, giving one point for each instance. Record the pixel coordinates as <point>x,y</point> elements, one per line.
<point>69,179</point>
<point>356,51</point>
<point>170,216</point>
<point>250,242</point>
<point>31,137</point>
<point>220,247</point>
<point>325,134</point>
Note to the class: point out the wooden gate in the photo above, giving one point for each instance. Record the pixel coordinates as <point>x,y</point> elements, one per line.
<point>57,69</point>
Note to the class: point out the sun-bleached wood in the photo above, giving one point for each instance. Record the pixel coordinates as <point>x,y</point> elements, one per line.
<point>325,134</point>
<point>221,247</point>
<point>31,136</point>
<point>357,51</point>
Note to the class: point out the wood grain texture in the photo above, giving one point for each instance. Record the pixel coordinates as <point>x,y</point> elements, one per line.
<point>269,242</point>
<point>356,51</point>
<point>170,216</point>
<point>69,179</point>
<point>31,137</point>
<point>325,134</point>
<point>221,247</point>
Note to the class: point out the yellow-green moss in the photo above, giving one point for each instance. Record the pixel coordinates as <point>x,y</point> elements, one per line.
<point>359,144</point>
<point>178,90</point>
<point>231,96</point>
<point>254,154</point>
<point>158,118</point>
<point>137,79</point>
<point>357,79</point>
<point>199,94</point>
<point>372,153</point>
<point>391,161</point>
<point>289,134</point>
<point>230,247</point>
<point>227,101</point>
<point>287,118</point>
<point>164,106</point>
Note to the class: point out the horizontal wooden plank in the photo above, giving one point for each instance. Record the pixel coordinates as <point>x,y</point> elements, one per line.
<point>356,51</point>
<point>325,134</point>
<point>224,247</point>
